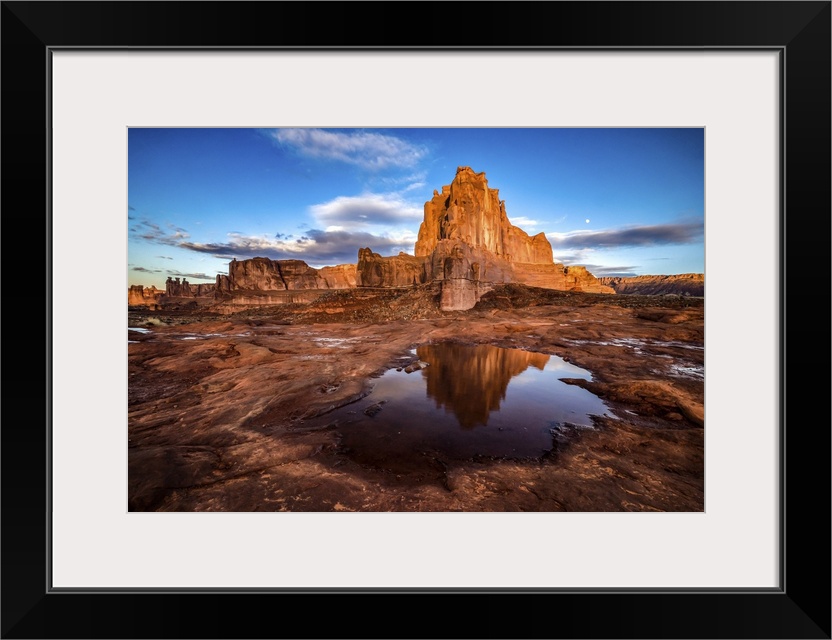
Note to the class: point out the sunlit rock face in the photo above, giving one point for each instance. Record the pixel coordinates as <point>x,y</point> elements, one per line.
<point>256,274</point>
<point>138,295</point>
<point>264,274</point>
<point>470,211</point>
<point>580,279</point>
<point>403,270</point>
<point>469,243</point>
<point>472,383</point>
<point>342,276</point>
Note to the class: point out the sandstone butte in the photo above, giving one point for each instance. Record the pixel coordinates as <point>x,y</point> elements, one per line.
<point>466,243</point>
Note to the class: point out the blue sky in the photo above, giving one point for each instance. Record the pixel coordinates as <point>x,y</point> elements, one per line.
<point>618,201</point>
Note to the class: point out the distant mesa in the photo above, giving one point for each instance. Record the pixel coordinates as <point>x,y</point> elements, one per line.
<point>683,284</point>
<point>465,243</point>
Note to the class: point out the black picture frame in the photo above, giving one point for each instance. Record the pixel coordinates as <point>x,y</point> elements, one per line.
<point>799,31</point>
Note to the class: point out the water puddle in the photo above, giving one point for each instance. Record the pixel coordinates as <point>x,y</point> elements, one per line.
<point>467,401</point>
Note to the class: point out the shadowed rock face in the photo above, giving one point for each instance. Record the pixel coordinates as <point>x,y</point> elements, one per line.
<point>174,288</point>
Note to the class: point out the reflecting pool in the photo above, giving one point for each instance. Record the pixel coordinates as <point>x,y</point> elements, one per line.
<point>461,401</point>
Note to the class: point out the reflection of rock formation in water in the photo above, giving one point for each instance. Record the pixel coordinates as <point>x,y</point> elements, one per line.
<point>472,382</point>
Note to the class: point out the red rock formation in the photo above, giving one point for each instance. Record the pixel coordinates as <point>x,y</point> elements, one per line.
<point>264,274</point>
<point>579,279</point>
<point>174,288</point>
<point>466,273</point>
<point>203,290</point>
<point>684,284</point>
<point>255,274</point>
<point>223,285</point>
<point>342,276</point>
<point>469,243</point>
<point>138,295</point>
<point>403,270</point>
<point>466,242</point>
<point>468,210</point>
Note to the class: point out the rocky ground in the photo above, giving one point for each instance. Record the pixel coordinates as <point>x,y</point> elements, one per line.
<point>235,412</point>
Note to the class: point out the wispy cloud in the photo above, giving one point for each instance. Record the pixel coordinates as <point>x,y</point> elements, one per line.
<point>316,247</point>
<point>638,236</point>
<point>143,270</point>
<point>165,257</point>
<point>523,222</point>
<point>373,151</point>
<point>131,207</point>
<point>601,271</point>
<point>152,232</point>
<point>367,209</point>
<point>194,276</point>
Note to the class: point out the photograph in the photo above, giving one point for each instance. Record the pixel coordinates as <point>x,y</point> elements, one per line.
<point>416,319</point>
<point>416,315</point>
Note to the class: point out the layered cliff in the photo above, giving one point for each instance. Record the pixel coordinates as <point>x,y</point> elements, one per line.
<point>684,284</point>
<point>264,274</point>
<point>375,270</point>
<point>467,242</point>
<point>469,211</point>
<point>174,288</point>
<point>140,296</point>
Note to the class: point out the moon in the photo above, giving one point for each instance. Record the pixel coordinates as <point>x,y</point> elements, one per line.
<point>587,220</point>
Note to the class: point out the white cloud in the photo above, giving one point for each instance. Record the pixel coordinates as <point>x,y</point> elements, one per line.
<point>365,210</point>
<point>368,150</point>
<point>523,222</point>
<point>316,247</point>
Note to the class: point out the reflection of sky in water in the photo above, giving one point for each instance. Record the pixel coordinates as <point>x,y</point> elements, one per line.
<point>562,369</point>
